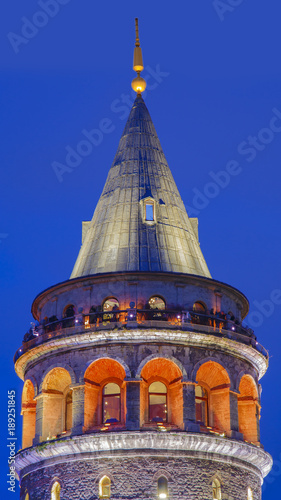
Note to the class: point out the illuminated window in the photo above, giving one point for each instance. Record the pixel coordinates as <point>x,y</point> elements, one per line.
<point>55,493</point>
<point>156,303</point>
<point>110,305</point>
<point>111,402</point>
<point>162,487</point>
<point>250,494</point>
<point>199,308</point>
<point>26,496</point>
<point>104,487</point>
<point>157,402</point>
<point>216,489</point>
<point>201,405</point>
<point>149,211</point>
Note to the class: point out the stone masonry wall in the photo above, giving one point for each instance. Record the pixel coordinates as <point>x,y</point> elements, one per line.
<point>136,478</point>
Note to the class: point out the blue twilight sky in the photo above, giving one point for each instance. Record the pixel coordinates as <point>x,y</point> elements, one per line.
<point>214,74</point>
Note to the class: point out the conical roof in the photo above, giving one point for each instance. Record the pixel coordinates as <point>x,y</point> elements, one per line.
<point>140,222</point>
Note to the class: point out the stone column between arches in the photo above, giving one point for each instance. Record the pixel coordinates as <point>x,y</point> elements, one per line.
<point>39,419</point>
<point>189,413</point>
<point>78,401</point>
<point>133,404</point>
<point>234,419</point>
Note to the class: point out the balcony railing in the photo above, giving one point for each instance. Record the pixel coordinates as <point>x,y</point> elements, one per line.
<point>144,318</point>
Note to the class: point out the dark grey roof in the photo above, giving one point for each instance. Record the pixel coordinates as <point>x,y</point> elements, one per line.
<point>119,238</point>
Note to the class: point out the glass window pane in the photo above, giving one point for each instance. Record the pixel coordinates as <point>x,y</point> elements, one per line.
<point>111,408</point>
<point>111,388</point>
<point>158,407</point>
<point>156,303</point>
<point>149,212</point>
<point>110,304</point>
<point>158,387</point>
<point>201,413</point>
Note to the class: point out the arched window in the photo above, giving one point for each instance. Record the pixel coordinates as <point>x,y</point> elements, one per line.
<point>250,494</point>
<point>156,303</point>
<point>55,389</point>
<point>104,487</point>
<point>157,402</point>
<point>201,404</point>
<point>55,493</point>
<point>214,378</point>
<point>162,487</point>
<point>68,315</point>
<point>216,489</point>
<point>110,305</point>
<point>111,403</point>
<point>248,409</point>
<point>199,308</point>
<point>28,409</point>
<point>69,311</point>
<point>26,496</point>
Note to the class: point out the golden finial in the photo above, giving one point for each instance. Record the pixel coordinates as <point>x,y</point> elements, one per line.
<point>138,83</point>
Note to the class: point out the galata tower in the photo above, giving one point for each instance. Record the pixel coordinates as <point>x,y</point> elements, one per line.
<point>140,380</point>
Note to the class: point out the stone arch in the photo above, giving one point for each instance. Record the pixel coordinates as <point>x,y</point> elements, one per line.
<point>100,373</point>
<point>239,377</point>
<point>155,356</point>
<point>58,365</point>
<point>34,382</point>
<point>54,480</point>
<point>28,411</point>
<point>248,409</point>
<point>168,407</point>
<point>102,473</point>
<point>162,472</point>
<point>201,303</point>
<point>55,387</point>
<point>214,379</point>
<point>215,360</point>
<point>66,307</point>
<point>96,358</point>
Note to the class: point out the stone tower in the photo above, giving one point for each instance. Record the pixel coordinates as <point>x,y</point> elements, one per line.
<point>140,381</point>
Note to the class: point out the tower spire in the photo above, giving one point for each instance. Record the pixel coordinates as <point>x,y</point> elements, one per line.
<point>138,83</point>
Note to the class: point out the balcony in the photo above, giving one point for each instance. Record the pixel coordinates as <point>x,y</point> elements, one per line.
<point>140,318</point>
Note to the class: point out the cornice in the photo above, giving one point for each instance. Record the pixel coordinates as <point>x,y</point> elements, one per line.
<point>197,446</point>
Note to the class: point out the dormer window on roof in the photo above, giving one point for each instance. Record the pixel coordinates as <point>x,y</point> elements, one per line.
<point>148,207</point>
<point>149,212</point>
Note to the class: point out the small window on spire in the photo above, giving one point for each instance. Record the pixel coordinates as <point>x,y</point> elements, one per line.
<point>149,212</point>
